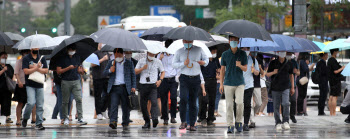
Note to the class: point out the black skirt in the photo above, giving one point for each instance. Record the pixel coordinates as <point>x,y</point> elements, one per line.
<point>20,94</point>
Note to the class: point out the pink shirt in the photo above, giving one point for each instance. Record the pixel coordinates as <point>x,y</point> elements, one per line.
<point>19,71</point>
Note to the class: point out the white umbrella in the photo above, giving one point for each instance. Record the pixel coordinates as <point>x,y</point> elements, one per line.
<point>347,40</point>
<point>36,41</point>
<point>154,47</point>
<point>60,39</point>
<point>218,40</point>
<point>176,45</point>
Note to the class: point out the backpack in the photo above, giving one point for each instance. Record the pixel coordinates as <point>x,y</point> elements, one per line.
<point>315,76</point>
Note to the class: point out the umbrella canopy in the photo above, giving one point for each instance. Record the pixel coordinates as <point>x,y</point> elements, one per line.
<point>14,36</point>
<point>285,43</point>
<point>307,45</point>
<point>84,47</point>
<point>189,33</point>
<point>347,40</point>
<point>242,29</point>
<point>156,33</point>
<point>218,40</point>
<point>118,38</point>
<point>93,59</point>
<point>60,39</point>
<point>176,45</point>
<point>251,42</point>
<point>346,71</point>
<point>36,41</point>
<point>154,47</point>
<point>319,44</point>
<point>6,43</point>
<point>339,43</point>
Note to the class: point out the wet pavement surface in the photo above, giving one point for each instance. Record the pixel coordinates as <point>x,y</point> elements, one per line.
<point>311,126</point>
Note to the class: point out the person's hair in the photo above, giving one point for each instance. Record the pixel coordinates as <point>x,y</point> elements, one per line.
<point>229,36</point>
<point>168,43</point>
<point>334,50</point>
<point>24,51</point>
<point>118,50</point>
<point>212,48</point>
<point>322,54</point>
<point>72,46</point>
<point>3,53</point>
<point>303,56</point>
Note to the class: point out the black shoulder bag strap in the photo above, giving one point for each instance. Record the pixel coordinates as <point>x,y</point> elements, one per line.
<point>279,71</point>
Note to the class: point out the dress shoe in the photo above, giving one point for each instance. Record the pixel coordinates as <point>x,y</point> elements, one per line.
<point>155,123</point>
<point>147,125</point>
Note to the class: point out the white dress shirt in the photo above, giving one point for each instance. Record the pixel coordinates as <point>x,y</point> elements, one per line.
<point>119,76</point>
<point>167,60</point>
<point>195,54</point>
<point>152,70</point>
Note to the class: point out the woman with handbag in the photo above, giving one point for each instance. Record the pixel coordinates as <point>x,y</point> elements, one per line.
<point>302,80</point>
<point>6,74</point>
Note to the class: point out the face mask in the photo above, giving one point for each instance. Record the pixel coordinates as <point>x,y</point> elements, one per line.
<point>151,58</point>
<point>233,44</point>
<point>128,56</point>
<point>289,57</point>
<point>71,53</point>
<point>214,55</point>
<point>119,59</point>
<point>3,61</point>
<point>338,54</point>
<point>254,54</point>
<point>282,54</point>
<point>187,45</point>
<point>35,51</point>
<point>293,56</point>
<point>247,52</point>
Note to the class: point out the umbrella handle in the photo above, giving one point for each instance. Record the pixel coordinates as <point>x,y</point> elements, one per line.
<point>188,52</point>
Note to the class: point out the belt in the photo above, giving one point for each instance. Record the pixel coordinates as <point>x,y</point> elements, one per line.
<point>190,76</point>
<point>122,85</point>
<point>213,78</point>
<point>148,84</point>
<point>169,78</point>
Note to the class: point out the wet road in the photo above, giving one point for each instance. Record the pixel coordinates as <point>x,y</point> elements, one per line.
<point>311,126</point>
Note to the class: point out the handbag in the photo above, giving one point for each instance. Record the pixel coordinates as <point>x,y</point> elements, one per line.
<point>133,102</point>
<point>37,76</point>
<point>11,85</point>
<point>304,80</point>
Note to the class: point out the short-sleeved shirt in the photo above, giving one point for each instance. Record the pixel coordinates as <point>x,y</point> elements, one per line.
<point>304,69</point>
<point>248,75</point>
<point>152,70</point>
<point>65,62</point>
<point>97,71</point>
<point>281,81</point>
<point>19,71</point>
<point>210,70</point>
<point>29,60</point>
<point>233,74</point>
<point>333,65</point>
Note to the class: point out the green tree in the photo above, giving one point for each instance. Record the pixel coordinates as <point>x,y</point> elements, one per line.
<point>84,18</point>
<point>12,21</point>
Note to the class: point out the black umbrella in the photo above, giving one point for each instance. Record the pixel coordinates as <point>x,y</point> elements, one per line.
<point>6,44</point>
<point>156,33</point>
<point>189,33</point>
<point>85,46</point>
<point>242,29</point>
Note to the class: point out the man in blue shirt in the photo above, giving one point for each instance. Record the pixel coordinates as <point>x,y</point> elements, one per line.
<point>188,60</point>
<point>69,67</point>
<point>233,63</point>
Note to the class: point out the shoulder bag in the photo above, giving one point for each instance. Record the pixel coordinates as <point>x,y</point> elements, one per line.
<point>37,76</point>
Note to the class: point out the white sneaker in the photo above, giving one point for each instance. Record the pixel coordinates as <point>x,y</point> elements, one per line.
<point>286,126</point>
<point>104,114</point>
<point>279,127</point>
<point>66,122</point>
<point>99,117</point>
<point>82,122</point>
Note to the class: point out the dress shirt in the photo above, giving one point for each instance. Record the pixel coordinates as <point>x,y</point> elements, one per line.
<point>151,71</point>
<point>248,75</point>
<point>195,54</point>
<point>119,76</point>
<point>167,64</point>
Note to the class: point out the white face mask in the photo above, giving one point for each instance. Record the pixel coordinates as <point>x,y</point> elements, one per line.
<point>247,52</point>
<point>119,59</point>
<point>214,55</point>
<point>71,53</point>
<point>128,56</point>
<point>151,58</point>
<point>3,61</point>
<point>293,56</point>
<point>289,57</point>
<point>282,54</point>
<point>338,54</point>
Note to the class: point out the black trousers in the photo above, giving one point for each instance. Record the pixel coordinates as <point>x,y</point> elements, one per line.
<point>293,104</point>
<point>323,86</point>
<point>208,101</point>
<point>148,92</point>
<point>248,94</point>
<point>102,101</point>
<point>302,90</point>
<point>5,102</point>
<point>345,110</point>
<point>168,84</point>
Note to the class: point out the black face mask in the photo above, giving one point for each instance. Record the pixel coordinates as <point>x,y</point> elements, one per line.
<point>35,51</point>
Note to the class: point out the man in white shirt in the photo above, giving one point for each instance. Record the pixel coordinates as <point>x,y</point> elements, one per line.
<point>148,68</point>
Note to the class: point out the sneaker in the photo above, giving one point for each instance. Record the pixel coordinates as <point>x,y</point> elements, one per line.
<point>66,122</point>
<point>245,127</point>
<point>40,127</point>
<point>252,125</point>
<point>82,122</point>
<point>231,129</point>
<point>210,123</point>
<point>99,117</point>
<point>204,122</point>
<point>279,127</point>
<point>173,120</point>
<point>8,120</point>
<point>286,126</point>
<point>24,122</point>
<point>113,125</point>
<point>239,127</point>
<point>104,114</point>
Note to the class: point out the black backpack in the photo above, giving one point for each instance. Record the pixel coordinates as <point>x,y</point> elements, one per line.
<point>315,76</point>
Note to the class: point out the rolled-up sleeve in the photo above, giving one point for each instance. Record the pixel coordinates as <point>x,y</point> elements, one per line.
<point>205,58</point>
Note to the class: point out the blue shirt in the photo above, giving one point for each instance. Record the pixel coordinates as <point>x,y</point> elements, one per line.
<point>29,60</point>
<point>119,76</point>
<point>233,74</point>
<point>210,70</point>
<point>195,54</point>
<point>248,75</point>
<point>65,62</point>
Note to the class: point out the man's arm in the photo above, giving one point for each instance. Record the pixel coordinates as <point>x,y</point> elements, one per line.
<point>61,71</point>
<point>177,64</point>
<point>133,77</point>
<point>43,70</point>
<point>100,61</point>
<point>106,71</point>
<point>291,77</point>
